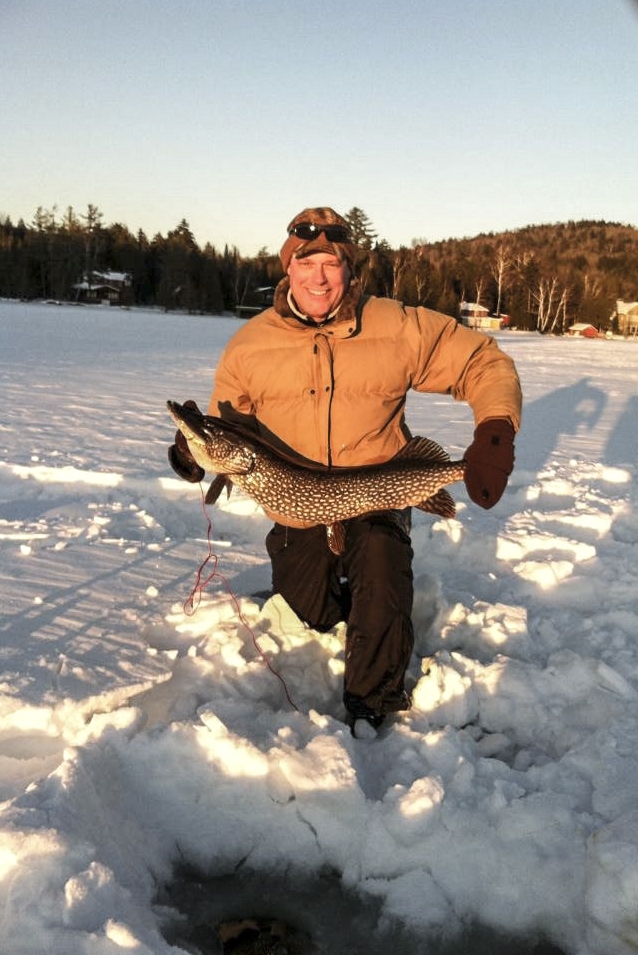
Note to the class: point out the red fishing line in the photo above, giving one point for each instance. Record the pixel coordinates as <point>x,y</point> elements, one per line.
<point>192,602</point>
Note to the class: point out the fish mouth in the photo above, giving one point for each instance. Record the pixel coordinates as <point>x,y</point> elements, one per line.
<point>184,419</point>
<point>175,409</point>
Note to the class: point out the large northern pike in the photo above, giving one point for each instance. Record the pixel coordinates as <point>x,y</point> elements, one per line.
<point>291,492</point>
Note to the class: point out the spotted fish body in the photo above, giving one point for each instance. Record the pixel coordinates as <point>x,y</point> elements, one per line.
<point>314,494</point>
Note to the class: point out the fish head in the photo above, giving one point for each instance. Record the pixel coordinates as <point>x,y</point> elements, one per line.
<point>213,447</point>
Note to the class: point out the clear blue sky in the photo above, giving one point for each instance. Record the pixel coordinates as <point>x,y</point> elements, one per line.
<point>439,118</point>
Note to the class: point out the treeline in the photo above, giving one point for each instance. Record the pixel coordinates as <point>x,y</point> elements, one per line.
<point>543,277</point>
<point>47,259</point>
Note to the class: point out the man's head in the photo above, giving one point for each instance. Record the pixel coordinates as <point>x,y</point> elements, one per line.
<point>306,235</point>
<point>318,256</point>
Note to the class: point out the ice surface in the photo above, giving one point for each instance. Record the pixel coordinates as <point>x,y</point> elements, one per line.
<point>141,736</point>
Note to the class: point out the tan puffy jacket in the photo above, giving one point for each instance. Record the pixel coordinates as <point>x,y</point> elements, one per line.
<point>336,393</point>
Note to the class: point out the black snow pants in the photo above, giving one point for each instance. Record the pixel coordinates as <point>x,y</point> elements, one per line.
<point>376,601</point>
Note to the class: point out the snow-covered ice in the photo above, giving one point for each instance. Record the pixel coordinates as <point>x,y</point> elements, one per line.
<point>142,738</point>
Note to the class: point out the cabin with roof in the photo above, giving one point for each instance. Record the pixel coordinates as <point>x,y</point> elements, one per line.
<point>582,330</point>
<point>104,288</point>
<point>627,315</point>
<point>256,300</point>
<point>477,316</point>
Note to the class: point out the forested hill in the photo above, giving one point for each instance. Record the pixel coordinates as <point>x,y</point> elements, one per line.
<point>542,276</point>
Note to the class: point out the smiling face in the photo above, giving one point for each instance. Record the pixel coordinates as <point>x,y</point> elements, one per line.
<point>318,282</point>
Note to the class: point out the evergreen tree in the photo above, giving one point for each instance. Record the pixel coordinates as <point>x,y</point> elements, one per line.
<point>545,277</point>
<point>363,233</point>
<point>92,244</point>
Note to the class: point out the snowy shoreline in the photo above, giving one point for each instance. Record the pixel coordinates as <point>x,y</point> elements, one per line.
<point>135,737</point>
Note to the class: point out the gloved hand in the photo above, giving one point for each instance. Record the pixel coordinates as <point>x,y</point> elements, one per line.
<point>180,458</point>
<point>490,461</point>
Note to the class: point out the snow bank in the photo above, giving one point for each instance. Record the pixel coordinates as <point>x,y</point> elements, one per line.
<point>140,737</point>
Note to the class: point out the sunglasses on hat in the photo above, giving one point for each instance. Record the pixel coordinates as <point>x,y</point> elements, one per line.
<point>310,230</point>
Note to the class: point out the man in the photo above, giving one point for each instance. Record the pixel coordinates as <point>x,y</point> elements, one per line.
<point>325,373</point>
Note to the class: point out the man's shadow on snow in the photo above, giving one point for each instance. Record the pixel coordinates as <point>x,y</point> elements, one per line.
<point>546,423</point>
<point>622,444</point>
<point>546,420</point>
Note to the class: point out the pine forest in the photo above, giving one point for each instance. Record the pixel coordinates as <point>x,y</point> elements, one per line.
<point>542,277</point>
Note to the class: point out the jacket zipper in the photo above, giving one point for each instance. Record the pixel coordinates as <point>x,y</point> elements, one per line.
<point>326,348</point>
<point>332,391</point>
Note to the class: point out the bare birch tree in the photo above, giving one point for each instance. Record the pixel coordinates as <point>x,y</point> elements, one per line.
<point>421,274</point>
<point>479,290</point>
<point>499,269</point>
<point>399,265</point>
<point>551,307</point>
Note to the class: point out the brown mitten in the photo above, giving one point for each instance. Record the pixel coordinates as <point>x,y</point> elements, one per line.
<point>490,461</point>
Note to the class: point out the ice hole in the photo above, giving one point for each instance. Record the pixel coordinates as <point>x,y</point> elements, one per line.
<point>265,914</point>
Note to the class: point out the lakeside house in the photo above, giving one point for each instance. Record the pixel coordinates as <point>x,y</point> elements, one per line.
<point>104,288</point>
<point>627,315</point>
<point>474,315</point>
<point>256,300</point>
<point>582,330</point>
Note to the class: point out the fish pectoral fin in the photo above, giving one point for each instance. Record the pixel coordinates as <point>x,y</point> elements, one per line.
<point>441,503</point>
<point>217,486</point>
<point>336,534</point>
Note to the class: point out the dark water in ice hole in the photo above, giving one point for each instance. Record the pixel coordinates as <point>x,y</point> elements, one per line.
<point>335,920</point>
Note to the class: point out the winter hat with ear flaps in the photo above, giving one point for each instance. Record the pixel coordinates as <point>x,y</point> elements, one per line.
<point>298,246</point>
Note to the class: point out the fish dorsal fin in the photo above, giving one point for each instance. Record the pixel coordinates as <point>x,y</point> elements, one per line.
<point>238,432</point>
<point>441,503</point>
<point>336,534</point>
<point>217,486</point>
<point>424,449</point>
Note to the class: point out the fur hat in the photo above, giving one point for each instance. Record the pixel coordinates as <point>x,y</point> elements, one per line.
<point>298,247</point>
